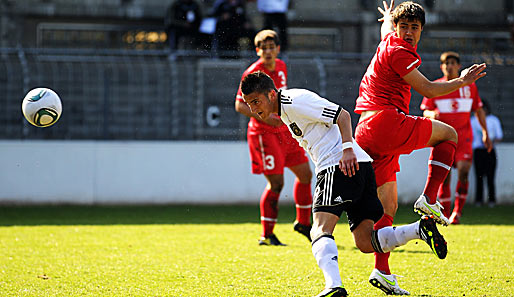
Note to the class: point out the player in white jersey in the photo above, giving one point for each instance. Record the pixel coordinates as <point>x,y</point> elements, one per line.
<point>345,179</point>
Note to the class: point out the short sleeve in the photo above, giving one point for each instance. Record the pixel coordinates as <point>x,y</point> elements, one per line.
<point>404,61</point>
<point>312,106</point>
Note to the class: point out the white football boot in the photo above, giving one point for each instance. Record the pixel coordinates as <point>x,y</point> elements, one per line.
<point>387,283</point>
<point>434,211</point>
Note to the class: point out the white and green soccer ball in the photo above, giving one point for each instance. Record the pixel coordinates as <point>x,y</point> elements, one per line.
<point>41,107</point>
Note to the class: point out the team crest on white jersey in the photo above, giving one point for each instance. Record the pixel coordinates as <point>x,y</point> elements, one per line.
<point>296,130</point>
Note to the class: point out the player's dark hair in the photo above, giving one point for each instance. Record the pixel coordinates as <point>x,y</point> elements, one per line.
<point>410,11</point>
<point>448,55</point>
<point>266,35</point>
<point>258,82</point>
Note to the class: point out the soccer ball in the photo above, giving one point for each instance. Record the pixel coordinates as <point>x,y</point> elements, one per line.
<point>41,107</point>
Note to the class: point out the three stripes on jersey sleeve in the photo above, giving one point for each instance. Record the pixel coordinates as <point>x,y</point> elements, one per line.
<point>331,113</point>
<point>327,112</point>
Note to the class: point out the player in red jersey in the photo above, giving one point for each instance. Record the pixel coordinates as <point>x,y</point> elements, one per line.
<point>454,109</point>
<point>272,148</point>
<point>385,131</point>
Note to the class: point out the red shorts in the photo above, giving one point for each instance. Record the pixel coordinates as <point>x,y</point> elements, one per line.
<point>387,135</point>
<point>464,151</point>
<point>271,152</point>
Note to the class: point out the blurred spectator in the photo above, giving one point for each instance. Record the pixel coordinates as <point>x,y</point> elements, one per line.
<point>231,26</point>
<point>275,18</point>
<point>182,21</point>
<point>485,163</point>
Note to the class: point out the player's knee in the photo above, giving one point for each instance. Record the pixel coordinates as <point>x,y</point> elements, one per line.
<point>275,183</point>
<point>463,177</point>
<point>452,134</point>
<point>276,186</point>
<point>317,233</point>
<point>306,177</point>
<point>303,173</point>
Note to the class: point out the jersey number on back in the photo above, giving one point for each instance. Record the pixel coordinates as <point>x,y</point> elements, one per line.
<point>283,83</point>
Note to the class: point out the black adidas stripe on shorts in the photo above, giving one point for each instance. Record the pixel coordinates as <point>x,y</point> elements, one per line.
<point>356,195</point>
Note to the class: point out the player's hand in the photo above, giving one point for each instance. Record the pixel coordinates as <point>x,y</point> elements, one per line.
<point>387,12</point>
<point>487,142</point>
<point>348,163</point>
<point>273,120</point>
<point>471,74</point>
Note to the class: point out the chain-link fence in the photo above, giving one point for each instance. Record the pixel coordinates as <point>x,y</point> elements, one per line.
<point>151,95</point>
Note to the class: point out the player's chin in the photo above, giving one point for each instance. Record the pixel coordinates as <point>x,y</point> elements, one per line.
<point>262,116</point>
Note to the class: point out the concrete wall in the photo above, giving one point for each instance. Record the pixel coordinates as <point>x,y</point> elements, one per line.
<point>96,172</point>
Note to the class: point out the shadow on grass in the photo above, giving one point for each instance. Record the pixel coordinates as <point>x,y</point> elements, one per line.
<point>401,250</point>
<point>201,214</point>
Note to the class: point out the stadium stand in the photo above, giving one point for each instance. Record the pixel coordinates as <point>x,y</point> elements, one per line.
<point>110,63</point>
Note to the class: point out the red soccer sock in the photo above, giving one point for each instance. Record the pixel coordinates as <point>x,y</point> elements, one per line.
<point>445,197</point>
<point>461,194</point>
<point>303,200</point>
<point>269,211</point>
<point>382,259</point>
<point>439,165</point>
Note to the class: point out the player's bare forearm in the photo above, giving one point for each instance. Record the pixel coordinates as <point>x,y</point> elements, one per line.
<point>432,89</point>
<point>348,162</point>
<point>480,114</point>
<point>386,19</point>
<point>344,122</point>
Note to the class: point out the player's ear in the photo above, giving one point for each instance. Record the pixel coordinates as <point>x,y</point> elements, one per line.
<point>272,94</point>
<point>278,49</point>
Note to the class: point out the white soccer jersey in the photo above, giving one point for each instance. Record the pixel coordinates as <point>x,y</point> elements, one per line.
<point>312,122</point>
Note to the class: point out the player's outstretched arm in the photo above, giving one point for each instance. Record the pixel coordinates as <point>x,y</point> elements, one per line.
<point>432,89</point>
<point>387,19</point>
<point>348,163</point>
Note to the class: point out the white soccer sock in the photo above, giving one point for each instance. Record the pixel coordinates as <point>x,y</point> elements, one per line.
<point>393,237</point>
<point>325,252</point>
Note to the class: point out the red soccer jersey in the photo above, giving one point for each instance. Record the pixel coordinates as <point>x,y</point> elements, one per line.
<point>455,108</point>
<point>382,86</point>
<point>279,77</point>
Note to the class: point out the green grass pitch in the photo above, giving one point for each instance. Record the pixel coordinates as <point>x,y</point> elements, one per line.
<point>212,251</point>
